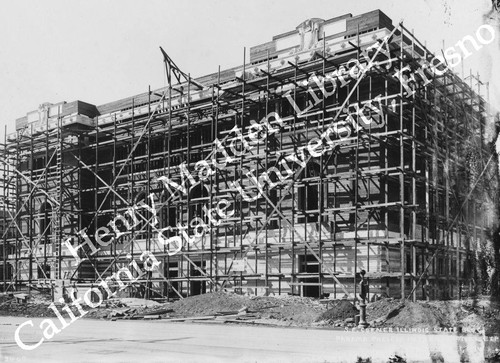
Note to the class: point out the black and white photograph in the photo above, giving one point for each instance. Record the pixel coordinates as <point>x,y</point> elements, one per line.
<point>250,181</point>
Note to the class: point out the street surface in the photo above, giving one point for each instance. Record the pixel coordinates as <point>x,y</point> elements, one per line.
<point>161,341</point>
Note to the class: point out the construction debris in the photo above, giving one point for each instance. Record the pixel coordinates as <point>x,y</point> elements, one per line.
<point>340,311</point>
<point>466,316</point>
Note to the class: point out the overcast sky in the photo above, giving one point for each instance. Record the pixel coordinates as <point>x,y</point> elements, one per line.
<point>99,51</point>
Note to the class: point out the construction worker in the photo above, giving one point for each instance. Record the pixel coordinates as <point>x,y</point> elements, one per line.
<point>363,295</point>
<point>363,286</point>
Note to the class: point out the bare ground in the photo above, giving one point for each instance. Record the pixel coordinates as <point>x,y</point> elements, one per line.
<point>466,315</point>
<point>478,316</point>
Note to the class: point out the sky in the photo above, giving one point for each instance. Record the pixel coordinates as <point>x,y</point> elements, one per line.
<point>99,51</point>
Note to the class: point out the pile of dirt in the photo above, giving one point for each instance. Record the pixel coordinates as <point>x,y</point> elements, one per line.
<point>407,314</point>
<point>290,309</point>
<point>472,316</point>
<point>380,308</point>
<point>32,310</point>
<point>469,316</point>
<point>418,315</point>
<point>480,314</point>
<point>473,323</point>
<point>208,304</point>
<point>37,305</point>
<point>13,308</point>
<point>339,310</point>
<point>293,314</point>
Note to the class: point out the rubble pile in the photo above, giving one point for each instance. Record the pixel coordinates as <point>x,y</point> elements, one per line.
<point>470,316</point>
<point>473,316</point>
<point>286,310</point>
<point>339,313</point>
<point>283,310</point>
<point>14,308</point>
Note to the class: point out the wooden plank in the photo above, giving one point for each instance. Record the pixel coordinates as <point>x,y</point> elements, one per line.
<point>193,318</point>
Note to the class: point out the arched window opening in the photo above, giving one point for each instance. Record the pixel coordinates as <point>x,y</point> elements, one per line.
<point>45,221</point>
<point>308,194</point>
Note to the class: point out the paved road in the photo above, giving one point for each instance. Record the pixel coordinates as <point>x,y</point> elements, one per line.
<point>161,341</point>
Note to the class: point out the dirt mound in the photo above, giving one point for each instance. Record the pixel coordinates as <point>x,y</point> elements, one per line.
<point>13,308</point>
<point>407,314</point>
<point>473,316</point>
<point>340,310</point>
<point>32,310</point>
<point>208,304</point>
<point>421,314</point>
<point>452,310</point>
<point>37,305</point>
<point>292,310</point>
<point>418,315</point>
<point>297,314</point>
<point>470,316</point>
<point>473,323</point>
<point>380,308</point>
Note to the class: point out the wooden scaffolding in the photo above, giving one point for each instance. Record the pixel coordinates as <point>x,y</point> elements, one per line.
<point>406,198</point>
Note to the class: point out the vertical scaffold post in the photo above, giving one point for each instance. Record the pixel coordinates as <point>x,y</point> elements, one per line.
<point>5,195</point>
<point>96,180</point>
<point>413,184</point>
<point>149,285</point>
<point>114,245</point>
<point>401,171</point>
<point>356,172</point>
<point>31,206</point>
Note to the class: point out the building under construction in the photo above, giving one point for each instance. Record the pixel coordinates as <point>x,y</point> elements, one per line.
<point>398,188</point>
